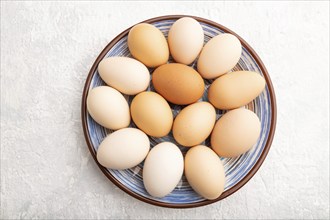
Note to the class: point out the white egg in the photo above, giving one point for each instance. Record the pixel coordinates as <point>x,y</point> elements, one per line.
<point>125,74</point>
<point>163,169</point>
<point>108,107</point>
<point>185,39</point>
<point>219,55</point>
<point>123,149</point>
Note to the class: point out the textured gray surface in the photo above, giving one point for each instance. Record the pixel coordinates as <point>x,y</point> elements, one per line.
<point>46,52</point>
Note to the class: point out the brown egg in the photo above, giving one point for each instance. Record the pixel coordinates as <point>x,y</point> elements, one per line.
<point>148,45</point>
<point>194,124</point>
<point>152,114</point>
<point>178,83</point>
<point>204,172</point>
<point>235,133</point>
<point>235,89</point>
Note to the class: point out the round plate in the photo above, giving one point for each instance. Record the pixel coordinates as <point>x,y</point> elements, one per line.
<point>238,170</point>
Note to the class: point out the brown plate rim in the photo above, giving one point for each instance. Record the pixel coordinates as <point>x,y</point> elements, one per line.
<point>227,193</point>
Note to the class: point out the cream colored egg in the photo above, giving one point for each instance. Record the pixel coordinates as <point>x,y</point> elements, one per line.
<point>152,114</point>
<point>194,124</point>
<point>185,40</point>
<point>123,149</point>
<point>204,172</point>
<point>148,45</point>
<point>163,169</point>
<point>125,74</point>
<point>219,55</point>
<point>235,133</point>
<point>108,107</point>
<point>235,89</point>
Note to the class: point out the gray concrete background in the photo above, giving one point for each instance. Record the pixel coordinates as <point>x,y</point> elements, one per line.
<point>47,49</point>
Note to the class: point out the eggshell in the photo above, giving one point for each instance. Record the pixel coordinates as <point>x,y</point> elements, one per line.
<point>125,74</point>
<point>219,55</point>
<point>204,172</point>
<point>148,45</point>
<point>235,89</point>
<point>194,124</point>
<point>152,114</point>
<point>235,133</point>
<point>178,83</point>
<point>123,149</point>
<point>108,107</point>
<point>185,39</point>
<point>163,169</point>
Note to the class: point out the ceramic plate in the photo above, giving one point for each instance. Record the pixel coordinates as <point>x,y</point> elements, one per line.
<point>238,170</point>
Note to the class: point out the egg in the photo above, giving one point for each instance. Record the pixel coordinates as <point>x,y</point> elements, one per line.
<point>185,40</point>
<point>123,149</point>
<point>108,107</point>
<point>235,133</point>
<point>148,45</point>
<point>194,124</point>
<point>204,172</point>
<point>219,55</point>
<point>178,83</point>
<point>235,89</point>
<point>125,74</point>
<point>163,169</point>
<point>152,114</point>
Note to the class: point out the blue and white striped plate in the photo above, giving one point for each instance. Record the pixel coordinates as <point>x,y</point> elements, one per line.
<point>238,170</point>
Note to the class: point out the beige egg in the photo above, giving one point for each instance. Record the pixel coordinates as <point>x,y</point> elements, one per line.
<point>178,83</point>
<point>185,40</point>
<point>235,89</point>
<point>123,149</point>
<point>204,172</point>
<point>235,133</point>
<point>108,107</point>
<point>148,45</point>
<point>219,55</point>
<point>163,169</point>
<point>125,74</point>
<point>194,124</point>
<point>152,114</point>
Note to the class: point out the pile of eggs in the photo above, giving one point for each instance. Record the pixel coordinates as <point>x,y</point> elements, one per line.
<point>232,135</point>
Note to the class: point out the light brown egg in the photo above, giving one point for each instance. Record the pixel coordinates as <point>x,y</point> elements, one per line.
<point>185,40</point>
<point>219,55</point>
<point>148,45</point>
<point>178,83</point>
<point>152,114</point>
<point>204,172</point>
<point>194,124</point>
<point>235,89</point>
<point>235,133</point>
